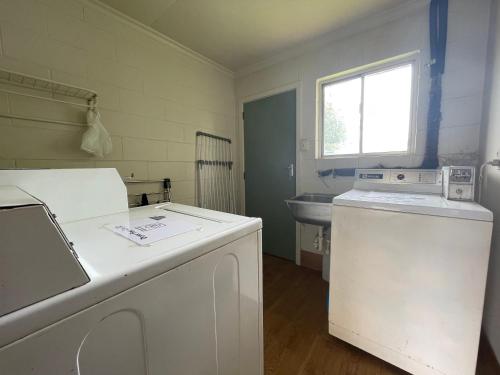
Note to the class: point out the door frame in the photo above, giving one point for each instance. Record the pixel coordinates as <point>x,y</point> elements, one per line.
<point>241,153</point>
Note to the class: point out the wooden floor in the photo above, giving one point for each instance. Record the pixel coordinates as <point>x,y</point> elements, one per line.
<point>296,339</point>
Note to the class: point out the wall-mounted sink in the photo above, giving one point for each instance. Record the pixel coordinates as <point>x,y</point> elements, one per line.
<point>311,208</point>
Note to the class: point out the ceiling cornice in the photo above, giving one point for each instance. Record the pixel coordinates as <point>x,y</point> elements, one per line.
<point>342,32</point>
<point>156,35</point>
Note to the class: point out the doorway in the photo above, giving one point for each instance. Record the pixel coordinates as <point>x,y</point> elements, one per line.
<point>270,153</point>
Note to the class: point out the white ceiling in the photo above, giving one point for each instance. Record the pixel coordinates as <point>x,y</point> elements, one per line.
<point>237,33</point>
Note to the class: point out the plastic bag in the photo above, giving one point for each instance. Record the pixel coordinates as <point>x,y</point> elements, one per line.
<point>96,139</point>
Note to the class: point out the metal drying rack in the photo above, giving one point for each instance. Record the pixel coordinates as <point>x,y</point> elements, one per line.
<point>214,177</point>
<point>46,85</point>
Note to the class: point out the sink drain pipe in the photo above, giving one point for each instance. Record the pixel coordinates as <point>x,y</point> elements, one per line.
<point>322,245</point>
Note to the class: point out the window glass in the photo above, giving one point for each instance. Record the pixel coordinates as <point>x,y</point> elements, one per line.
<point>341,117</point>
<point>369,113</point>
<point>386,110</point>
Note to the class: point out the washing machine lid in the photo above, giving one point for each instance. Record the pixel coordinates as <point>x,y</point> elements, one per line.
<point>424,204</point>
<point>37,261</point>
<point>108,254</point>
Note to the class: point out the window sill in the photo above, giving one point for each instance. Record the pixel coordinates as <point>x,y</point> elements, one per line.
<point>367,156</point>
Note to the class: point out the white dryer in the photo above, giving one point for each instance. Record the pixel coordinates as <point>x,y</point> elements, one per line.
<point>408,271</point>
<point>79,297</point>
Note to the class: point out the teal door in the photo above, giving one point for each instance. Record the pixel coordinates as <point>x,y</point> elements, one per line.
<point>269,132</point>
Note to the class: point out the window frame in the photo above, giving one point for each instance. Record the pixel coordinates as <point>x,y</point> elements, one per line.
<point>412,59</point>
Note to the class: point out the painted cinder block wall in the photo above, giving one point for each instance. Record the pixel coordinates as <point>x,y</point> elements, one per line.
<point>398,31</point>
<point>490,149</point>
<point>153,94</point>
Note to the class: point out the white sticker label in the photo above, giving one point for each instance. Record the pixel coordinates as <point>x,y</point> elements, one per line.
<point>148,230</point>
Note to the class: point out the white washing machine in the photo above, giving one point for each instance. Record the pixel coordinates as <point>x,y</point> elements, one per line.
<point>99,289</point>
<point>408,271</point>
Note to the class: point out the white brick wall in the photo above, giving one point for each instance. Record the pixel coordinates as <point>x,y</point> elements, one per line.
<point>153,96</point>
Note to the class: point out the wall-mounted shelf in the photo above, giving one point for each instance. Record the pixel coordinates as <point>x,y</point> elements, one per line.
<point>46,85</point>
<point>32,82</point>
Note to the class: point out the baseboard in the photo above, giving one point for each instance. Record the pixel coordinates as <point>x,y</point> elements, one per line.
<point>310,260</point>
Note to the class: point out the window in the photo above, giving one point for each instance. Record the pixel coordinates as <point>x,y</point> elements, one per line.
<point>368,112</point>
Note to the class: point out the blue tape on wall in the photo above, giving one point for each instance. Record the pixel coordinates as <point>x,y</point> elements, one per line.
<point>344,172</point>
<point>438,30</point>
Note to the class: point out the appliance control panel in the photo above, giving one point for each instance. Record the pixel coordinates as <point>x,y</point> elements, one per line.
<point>459,183</point>
<point>461,175</point>
<point>426,181</point>
<point>399,176</point>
